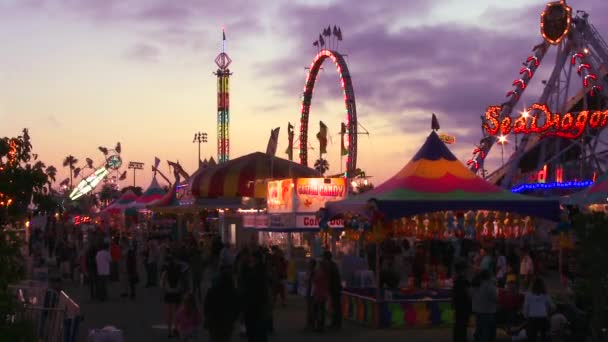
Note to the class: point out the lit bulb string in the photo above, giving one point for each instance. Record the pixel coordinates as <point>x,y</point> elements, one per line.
<point>583,69</point>
<point>349,103</point>
<point>526,73</point>
<point>554,185</point>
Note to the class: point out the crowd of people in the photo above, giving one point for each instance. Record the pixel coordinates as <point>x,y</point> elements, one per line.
<point>504,292</point>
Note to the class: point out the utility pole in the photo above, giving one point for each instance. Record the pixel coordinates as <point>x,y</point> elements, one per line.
<point>200,137</point>
<point>135,166</point>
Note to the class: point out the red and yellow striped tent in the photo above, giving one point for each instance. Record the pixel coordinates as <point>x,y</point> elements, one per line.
<point>244,176</point>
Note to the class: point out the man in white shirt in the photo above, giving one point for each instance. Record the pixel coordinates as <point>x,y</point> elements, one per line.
<point>103,259</point>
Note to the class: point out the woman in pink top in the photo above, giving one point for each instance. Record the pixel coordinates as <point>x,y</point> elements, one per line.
<point>187,319</point>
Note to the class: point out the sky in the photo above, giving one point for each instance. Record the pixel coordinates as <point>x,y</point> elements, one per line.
<point>87,73</point>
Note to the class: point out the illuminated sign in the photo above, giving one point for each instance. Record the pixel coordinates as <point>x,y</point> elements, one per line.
<point>78,220</point>
<point>280,196</point>
<point>544,122</point>
<point>313,193</point>
<point>555,22</point>
<point>312,222</point>
<point>447,139</point>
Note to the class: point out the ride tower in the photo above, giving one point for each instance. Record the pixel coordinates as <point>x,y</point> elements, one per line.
<point>223,103</point>
<point>558,140</point>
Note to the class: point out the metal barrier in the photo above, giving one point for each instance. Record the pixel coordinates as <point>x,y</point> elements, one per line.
<point>55,315</point>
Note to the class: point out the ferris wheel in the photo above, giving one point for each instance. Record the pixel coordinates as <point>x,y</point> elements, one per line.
<point>558,131</point>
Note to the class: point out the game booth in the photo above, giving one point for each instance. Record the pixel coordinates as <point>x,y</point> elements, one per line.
<point>434,197</point>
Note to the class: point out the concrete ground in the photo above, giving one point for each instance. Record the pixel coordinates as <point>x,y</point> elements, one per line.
<point>142,320</point>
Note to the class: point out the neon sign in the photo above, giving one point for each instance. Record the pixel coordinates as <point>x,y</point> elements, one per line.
<point>544,122</point>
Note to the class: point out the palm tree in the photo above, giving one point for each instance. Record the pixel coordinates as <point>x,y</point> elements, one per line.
<point>51,172</point>
<point>321,165</point>
<point>70,161</point>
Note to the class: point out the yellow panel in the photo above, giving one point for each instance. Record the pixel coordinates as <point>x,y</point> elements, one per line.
<point>435,169</point>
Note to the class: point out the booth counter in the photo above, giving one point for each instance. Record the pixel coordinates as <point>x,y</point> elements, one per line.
<point>422,308</point>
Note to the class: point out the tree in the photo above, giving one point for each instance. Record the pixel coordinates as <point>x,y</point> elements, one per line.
<point>364,187</point>
<point>321,165</point>
<point>137,190</point>
<point>592,256</point>
<point>51,172</point>
<point>20,181</point>
<point>70,161</point>
<point>108,193</point>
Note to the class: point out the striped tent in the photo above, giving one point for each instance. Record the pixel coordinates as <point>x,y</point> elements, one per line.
<point>434,180</point>
<point>153,193</point>
<point>125,201</point>
<point>244,176</point>
<point>597,193</point>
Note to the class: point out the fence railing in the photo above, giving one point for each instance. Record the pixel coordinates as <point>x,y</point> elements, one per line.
<point>55,316</point>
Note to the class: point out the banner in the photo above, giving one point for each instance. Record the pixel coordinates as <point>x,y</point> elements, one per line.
<point>313,193</point>
<point>280,196</point>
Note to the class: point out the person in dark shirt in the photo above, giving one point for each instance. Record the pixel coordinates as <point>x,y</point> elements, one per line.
<point>221,308</point>
<point>335,291</point>
<point>256,299</point>
<point>461,300</point>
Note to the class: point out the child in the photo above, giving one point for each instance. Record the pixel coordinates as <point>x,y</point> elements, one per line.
<point>187,319</point>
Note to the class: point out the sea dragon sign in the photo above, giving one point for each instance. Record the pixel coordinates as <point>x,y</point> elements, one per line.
<point>542,121</point>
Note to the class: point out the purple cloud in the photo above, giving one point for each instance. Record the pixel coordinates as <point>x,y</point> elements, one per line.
<point>143,53</point>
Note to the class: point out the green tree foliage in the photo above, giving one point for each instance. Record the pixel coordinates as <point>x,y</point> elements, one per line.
<point>592,254</point>
<point>23,179</point>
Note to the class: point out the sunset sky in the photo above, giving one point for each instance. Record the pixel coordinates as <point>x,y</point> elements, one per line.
<point>85,73</point>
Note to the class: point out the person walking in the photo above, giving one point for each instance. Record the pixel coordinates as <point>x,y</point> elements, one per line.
<point>221,308</point>
<point>131,266</point>
<point>187,319</point>
<point>91,270</point>
<point>537,306</point>
<point>484,299</point>
<point>320,294</point>
<point>335,291</point>
<point>526,269</point>
<point>256,299</point>
<point>171,283</point>
<point>103,260</point>
<point>461,301</point>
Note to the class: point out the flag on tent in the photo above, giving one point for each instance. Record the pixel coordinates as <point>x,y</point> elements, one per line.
<point>156,162</point>
<point>316,43</point>
<point>322,136</point>
<point>223,35</point>
<point>271,149</point>
<point>343,149</point>
<point>335,31</point>
<point>290,135</point>
<point>327,32</point>
<point>321,40</point>
<point>339,35</point>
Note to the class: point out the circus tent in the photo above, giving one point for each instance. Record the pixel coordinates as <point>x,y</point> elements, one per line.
<point>244,176</point>
<point>153,193</point>
<point>124,202</point>
<point>435,180</point>
<point>597,193</point>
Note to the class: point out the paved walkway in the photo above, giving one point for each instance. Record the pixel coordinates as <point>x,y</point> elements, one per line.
<point>142,320</point>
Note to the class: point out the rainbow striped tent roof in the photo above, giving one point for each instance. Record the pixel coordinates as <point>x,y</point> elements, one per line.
<point>244,176</point>
<point>434,180</point>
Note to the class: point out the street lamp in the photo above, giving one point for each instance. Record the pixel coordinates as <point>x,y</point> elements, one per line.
<point>135,166</point>
<point>502,140</point>
<point>200,137</point>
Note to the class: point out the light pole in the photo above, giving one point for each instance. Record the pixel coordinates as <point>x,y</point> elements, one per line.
<point>502,140</point>
<point>200,137</point>
<point>135,166</point>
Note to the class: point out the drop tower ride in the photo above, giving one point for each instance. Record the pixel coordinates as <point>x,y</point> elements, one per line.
<point>223,103</point>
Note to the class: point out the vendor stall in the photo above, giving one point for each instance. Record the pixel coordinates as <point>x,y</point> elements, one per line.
<point>434,180</point>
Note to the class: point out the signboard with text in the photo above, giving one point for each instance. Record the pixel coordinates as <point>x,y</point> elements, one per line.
<point>313,193</point>
<point>312,222</point>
